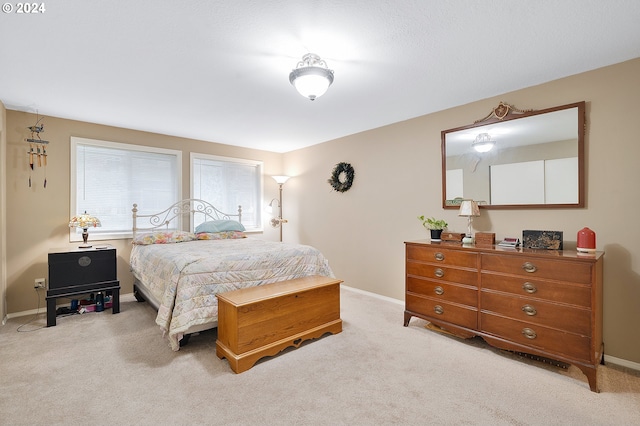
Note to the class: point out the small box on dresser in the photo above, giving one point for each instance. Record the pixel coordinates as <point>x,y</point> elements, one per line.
<point>485,238</point>
<point>452,236</point>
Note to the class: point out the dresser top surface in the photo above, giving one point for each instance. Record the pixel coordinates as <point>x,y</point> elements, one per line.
<point>563,254</point>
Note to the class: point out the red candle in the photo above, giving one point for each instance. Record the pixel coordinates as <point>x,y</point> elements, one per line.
<point>586,240</point>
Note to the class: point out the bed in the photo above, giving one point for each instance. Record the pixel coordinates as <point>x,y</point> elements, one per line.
<point>180,272</point>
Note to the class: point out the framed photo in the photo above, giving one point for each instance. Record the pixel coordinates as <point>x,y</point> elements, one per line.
<point>548,240</point>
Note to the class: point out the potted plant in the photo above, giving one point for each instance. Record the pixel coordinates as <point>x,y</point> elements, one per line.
<point>435,226</point>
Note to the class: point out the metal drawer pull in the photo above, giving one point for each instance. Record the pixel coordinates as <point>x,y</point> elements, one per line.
<point>529,288</point>
<point>529,333</point>
<point>439,290</point>
<point>529,267</point>
<point>439,256</point>
<point>439,273</point>
<point>529,310</point>
<point>438,309</point>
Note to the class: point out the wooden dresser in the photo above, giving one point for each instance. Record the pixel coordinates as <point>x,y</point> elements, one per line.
<point>542,302</point>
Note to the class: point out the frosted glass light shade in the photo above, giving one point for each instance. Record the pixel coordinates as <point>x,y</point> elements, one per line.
<point>483,142</point>
<point>280,179</point>
<point>311,85</point>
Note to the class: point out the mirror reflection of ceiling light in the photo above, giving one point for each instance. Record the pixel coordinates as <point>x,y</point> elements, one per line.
<point>312,77</point>
<point>483,143</point>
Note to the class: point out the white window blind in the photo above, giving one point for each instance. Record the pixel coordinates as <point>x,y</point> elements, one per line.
<point>107,178</point>
<point>227,183</point>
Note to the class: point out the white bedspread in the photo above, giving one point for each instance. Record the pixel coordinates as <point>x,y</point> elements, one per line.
<point>185,277</point>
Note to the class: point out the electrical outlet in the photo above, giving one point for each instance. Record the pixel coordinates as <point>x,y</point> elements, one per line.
<point>39,283</point>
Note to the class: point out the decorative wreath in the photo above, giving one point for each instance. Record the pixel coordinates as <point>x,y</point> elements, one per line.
<point>342,177</point>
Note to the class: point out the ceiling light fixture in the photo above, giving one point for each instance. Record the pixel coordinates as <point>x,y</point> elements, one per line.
<point>483,142</point>
<point>311,77</point>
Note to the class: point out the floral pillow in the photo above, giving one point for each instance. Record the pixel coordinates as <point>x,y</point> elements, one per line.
<point>163,237</point>
<point>226,235</point>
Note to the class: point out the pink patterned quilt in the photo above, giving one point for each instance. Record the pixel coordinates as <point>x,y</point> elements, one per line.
<point>185,277</point>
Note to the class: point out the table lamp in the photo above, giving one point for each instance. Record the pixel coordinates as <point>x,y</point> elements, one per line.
<point>84,221</point>
<point>468,208</point>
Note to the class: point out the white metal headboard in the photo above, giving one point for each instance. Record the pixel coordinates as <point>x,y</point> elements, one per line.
<point>191,206</point>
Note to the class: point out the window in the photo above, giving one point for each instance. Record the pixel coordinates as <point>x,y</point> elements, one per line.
<point>108,177</point>
<point>227,183</point>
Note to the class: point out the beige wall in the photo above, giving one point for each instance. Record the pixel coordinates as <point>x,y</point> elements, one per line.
<point>3,223</point>
<point>37,217</point>
<point>398,177</point>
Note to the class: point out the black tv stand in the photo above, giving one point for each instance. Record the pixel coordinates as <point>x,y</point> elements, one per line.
<point>81,271</point>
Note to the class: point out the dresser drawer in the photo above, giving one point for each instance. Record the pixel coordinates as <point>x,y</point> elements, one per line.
<point>438,309</point>
<point>545,339</point>
<point>442,256</point>
<point>443,291</point>
<point>437,272</point>
<point>574,294</point>
<point>561,270</point>
<point>571,319</point>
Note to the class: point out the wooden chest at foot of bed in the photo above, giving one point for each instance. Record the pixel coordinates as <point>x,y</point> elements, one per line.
<point>261,321</point>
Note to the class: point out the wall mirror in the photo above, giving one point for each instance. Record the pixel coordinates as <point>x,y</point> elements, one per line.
<point>516,158</point>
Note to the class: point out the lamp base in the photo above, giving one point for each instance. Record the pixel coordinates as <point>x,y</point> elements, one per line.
<point>467,240</point>
<point>585,250</point>
<point>85,237</point>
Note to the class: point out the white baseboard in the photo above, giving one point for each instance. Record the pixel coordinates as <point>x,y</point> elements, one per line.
<point>38,311</point>
<point>608,359</point>
<point>377,296</point>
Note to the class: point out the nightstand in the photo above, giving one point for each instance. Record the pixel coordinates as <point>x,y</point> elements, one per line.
<point>81,271</point>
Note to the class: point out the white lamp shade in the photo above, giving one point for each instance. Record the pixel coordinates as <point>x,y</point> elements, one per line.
<point>469,208</point>
<point>280,179</point>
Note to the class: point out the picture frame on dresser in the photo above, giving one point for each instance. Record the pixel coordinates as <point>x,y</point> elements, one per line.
<point>546,303</point>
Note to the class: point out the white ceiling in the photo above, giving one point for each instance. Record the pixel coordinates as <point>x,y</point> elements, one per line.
<point>218,70</point>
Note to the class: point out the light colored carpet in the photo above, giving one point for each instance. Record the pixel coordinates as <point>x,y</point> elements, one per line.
<point>100,368</point>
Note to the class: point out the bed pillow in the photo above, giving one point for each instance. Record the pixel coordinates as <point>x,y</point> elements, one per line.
<point>222,225</point>
<point>225,235</point>
<point>164,237</point>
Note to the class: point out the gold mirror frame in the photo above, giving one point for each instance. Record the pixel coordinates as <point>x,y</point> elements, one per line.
<point>508,114</point>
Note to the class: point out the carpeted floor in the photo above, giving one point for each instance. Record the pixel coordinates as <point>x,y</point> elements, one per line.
<point>99,368</point>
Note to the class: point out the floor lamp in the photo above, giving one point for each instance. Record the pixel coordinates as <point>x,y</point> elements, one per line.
<point>278,221</point>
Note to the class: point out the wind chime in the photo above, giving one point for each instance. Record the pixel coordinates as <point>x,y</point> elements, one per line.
<point>37,153</point>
